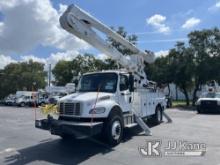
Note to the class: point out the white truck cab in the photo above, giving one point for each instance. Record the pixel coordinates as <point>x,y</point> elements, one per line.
<point>98,93</point>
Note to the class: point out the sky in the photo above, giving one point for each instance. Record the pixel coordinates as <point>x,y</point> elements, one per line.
<point>29,29</point>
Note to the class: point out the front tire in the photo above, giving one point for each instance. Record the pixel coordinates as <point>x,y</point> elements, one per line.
<point>114,129</point>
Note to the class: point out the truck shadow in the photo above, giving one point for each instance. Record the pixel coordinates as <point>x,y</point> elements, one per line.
<point>58,152</point>
<point>66,152</point>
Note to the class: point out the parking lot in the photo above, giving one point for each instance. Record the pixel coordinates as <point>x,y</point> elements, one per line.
<point>22,143</point>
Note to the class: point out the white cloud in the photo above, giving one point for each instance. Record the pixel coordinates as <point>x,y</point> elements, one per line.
<point>7,4</point>
<point>1,27</point>
<point>53,58</point>
<point>163,40</point>
<point>161,53</point>
<point>5,60</point>
<point>158,22</point>
<point>102,56</point>
<point>215,7</point>
<point>217,4</point>
<point>62,8</point>
<point>28,23</point>
<point>191,22</point>
<point>34,58</point>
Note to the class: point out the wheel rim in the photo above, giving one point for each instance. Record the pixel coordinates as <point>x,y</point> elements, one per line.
<point>116,130</point>
<point>159,115</point>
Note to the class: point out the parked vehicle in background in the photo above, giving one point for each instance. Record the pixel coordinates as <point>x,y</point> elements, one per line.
<point>209,100</point>
<point>10,100</point>
<point>54,99</point>
<point>29,98</point>
<point>42,101</point>
<point>25,101</point>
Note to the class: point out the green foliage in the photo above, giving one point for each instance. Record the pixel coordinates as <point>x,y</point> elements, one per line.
<point>192,66</point>
<point>65,71</point>
<point>121,48</point>
<point>20,76</point>
<point>205,46</point>
<point>111,64</point>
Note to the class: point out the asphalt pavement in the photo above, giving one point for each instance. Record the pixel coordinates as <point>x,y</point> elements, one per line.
<point>21,143</point>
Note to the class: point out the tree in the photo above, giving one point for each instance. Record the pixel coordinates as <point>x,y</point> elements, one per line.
<point>181,66</point>
<point>65,71</point>
<point>121,48</point>
<point>176,67</point>
<point>205,46</point>
<point>112,64</point>
<point>21,76</point>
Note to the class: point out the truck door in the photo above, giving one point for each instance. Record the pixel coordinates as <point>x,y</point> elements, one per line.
<point>124,93</point>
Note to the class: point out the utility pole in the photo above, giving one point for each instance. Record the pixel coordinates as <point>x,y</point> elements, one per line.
<point>49,75</point>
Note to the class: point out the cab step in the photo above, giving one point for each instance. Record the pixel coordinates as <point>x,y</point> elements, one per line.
<point>131,125</point>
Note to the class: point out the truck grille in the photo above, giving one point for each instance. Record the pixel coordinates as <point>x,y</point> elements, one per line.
<point>69,109</point>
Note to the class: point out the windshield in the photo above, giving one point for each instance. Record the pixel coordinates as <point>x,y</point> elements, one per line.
<point>211,95</point>
<point>104,82</point>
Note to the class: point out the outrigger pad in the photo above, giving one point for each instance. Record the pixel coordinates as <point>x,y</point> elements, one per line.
<point>169,120</point>
<point>143,125</point>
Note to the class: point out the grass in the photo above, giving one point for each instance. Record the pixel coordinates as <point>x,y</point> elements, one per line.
<point>182,104</point>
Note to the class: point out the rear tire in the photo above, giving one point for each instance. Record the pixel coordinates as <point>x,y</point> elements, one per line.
<point>113,129</point>
<point>158,116</point>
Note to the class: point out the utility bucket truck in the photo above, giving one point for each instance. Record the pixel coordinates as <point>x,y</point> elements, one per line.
<point>106,102</point>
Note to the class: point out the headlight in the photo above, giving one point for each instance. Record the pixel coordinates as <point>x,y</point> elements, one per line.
<point>97,110</point>
<point>218,102</point>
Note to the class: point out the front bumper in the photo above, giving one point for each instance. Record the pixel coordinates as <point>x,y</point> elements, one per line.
<point>74,128</point>
<point>214,109</point>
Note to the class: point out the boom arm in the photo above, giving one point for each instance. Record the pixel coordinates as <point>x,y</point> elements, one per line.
<point>82,25</point>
